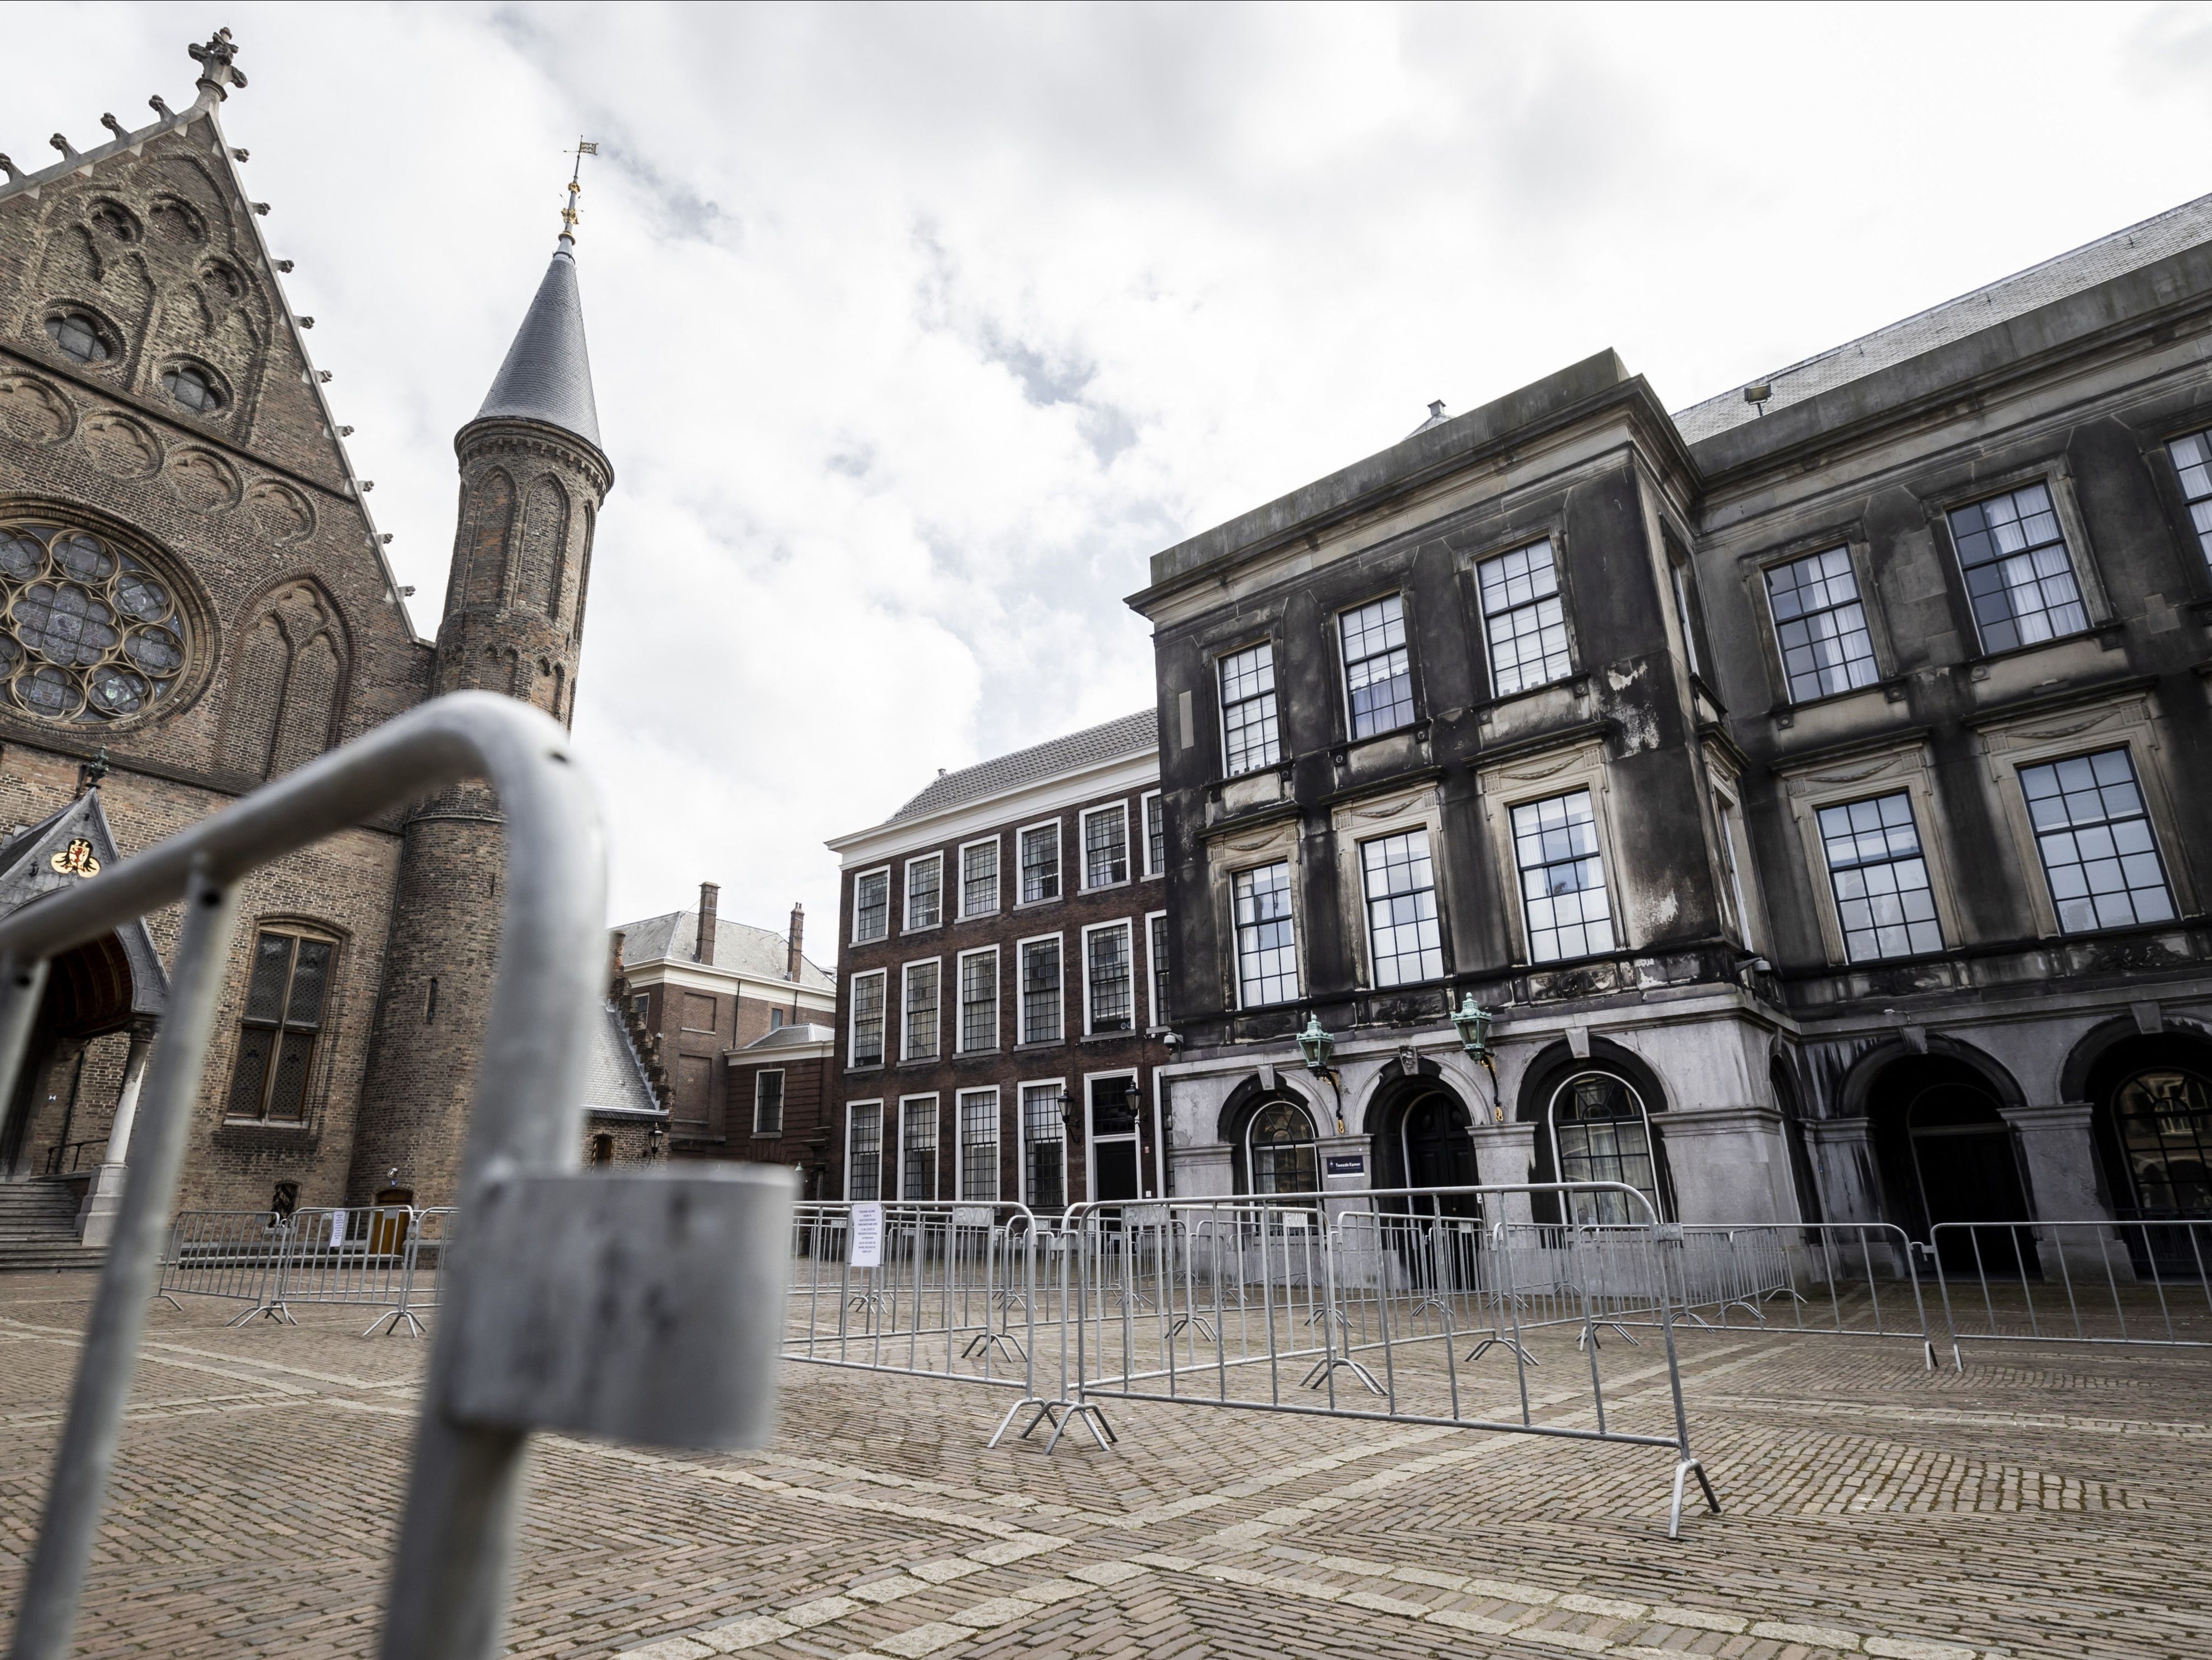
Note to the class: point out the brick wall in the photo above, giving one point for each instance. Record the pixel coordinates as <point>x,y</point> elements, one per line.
<point>1069,1059</point>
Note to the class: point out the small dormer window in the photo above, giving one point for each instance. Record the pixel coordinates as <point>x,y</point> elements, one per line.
<point>79,337</point>
<point>193,387</point>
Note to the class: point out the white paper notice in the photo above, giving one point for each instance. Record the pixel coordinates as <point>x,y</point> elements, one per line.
<point>867,1237</point>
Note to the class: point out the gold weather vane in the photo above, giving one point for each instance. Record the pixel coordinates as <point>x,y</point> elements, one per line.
<point>568,214</point>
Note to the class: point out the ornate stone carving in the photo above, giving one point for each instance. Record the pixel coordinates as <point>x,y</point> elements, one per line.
<point>204,480</point>
<point>33,411</point>
<point>120,447</point>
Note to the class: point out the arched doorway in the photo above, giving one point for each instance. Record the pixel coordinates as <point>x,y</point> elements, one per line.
<point>88,996</point>
<point>1422,1138</point>
<point>1947,1155</point>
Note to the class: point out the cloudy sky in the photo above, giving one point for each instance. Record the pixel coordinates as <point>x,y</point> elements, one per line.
<point>917,329</point>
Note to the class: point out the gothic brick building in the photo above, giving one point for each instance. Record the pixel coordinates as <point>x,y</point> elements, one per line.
<point>193,598</point>
<point>1811,781</point>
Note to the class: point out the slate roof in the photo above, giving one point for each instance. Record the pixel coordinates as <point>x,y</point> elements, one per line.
<point>547,374</point>
<point>784,1038</point>
<point>2123,251</point>
<point>614,1077</point>
<point>1131,735</point>
<point>739,947</point>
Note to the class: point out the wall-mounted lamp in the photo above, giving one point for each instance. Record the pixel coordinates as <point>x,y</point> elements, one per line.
<point>1317,1046</point>
<point>1472,1022</point>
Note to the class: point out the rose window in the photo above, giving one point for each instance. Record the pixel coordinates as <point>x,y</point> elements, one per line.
<point>87,634</point>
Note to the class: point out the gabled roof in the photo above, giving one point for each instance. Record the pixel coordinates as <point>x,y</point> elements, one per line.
<point>739,948</point>
<point>1131,735</point>
<point>2123,251</point>
<point>547,373</point>
<point>217,75</point>
<point>27,872</point>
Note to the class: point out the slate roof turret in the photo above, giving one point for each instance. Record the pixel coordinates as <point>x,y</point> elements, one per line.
<point>547,375</point>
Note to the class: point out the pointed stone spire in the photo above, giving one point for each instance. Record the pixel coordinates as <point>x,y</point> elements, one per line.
<point>547,376</point>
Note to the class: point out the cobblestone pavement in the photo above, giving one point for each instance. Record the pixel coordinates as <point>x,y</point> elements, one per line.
<point>2045,1503</point>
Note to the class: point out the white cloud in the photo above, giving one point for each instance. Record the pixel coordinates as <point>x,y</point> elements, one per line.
<point>916,331</point>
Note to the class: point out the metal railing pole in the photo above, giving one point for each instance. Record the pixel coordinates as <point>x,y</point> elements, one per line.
<point>109,1357</point>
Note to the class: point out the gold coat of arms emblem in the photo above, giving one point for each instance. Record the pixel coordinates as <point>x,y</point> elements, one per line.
<point>77,859</point>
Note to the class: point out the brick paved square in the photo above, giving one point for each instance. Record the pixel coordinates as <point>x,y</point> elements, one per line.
<point>2043,1502</point>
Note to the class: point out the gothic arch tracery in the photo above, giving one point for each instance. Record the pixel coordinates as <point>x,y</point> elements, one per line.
<point>287,681</point>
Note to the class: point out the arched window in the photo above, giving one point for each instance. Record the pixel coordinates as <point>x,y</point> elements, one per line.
<point>1278,1150</point>
<point>1601,1132</point>
<point>193,388</point>
<point>286,1007</point>
<point>2164,1115</point>
<point>79,337</point>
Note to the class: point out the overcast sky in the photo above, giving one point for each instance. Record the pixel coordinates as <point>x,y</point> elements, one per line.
<point>916,331</point>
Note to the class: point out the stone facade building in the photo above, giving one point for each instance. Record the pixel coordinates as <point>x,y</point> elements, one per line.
<point>196,599</point>
<point>739,1019</point>
<point>1810,780</point>
<point>1001,996</point>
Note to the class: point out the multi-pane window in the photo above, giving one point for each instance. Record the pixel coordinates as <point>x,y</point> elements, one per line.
<point>2018,577</point>
<point>872,906</point>
<point>925,891</point>
<point>1562,878</point>
<point>1378,681</point>
<point>921,998</point>
<point>767,1104</point>
<point>865,1045</point>
<point>1044,1149</point>
<point>1107,989</point>
<point>2095,837</point>
<point>1686,612</point>
<point>1155,954</point>
<point>1156,835</point>
<point>1040,863</point>
<point>1731,829</point>
<point>864,1150</point>
<point>1402,908</point>
<point>1821,625</point>
<point>1249,725</point>
<point>1267,946</point>
<point>1883,901</point>
<point>1040,1002</point>
<point>1523,619</point>
<point>979,1144</point>
<point>2192,459</point>
<point>283,1019</point>
<point>918,1147</point>
<point>979,1001</point>
<point>1601,1132</point>
<point>979,878</point>
<point>1106,846</point>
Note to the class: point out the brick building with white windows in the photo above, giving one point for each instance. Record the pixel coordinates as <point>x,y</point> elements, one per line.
<point>1811,781</point>
<point>736,1019</point>
<point>1001,993</point>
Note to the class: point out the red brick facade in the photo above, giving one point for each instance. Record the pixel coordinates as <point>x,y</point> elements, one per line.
<point>1000,1084</point>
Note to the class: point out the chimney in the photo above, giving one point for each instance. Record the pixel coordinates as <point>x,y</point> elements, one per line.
<point>709,894</point>
<point>798,936</point>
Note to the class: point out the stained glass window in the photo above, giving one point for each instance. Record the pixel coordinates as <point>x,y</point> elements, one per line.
<point>87,634</point>
<point>79,337</point>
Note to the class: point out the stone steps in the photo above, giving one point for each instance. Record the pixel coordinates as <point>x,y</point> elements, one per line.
<point>38,1229</point>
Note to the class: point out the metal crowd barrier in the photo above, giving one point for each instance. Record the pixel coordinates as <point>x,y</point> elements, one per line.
<point>1268,1304</point>
<point>372,1256</point>
<point>946,1289</point>
<point>2136,1283</point>
<point>637,1307</point>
